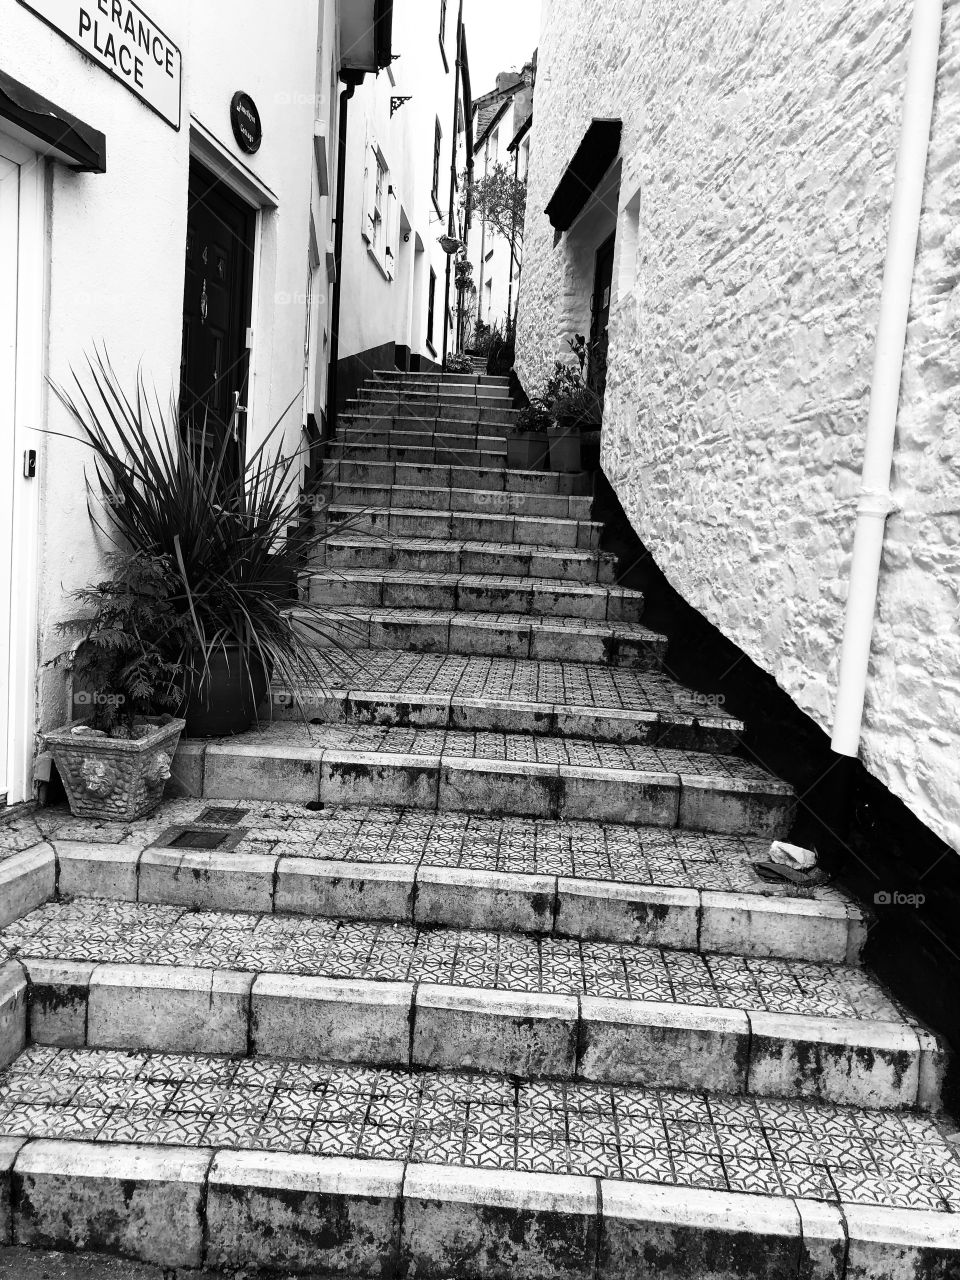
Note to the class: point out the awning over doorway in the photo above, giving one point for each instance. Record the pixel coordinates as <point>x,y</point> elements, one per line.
<point>595,154</point>
<point>47,128</point>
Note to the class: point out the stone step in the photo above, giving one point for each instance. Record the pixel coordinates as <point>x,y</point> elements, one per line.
<point>423,408</point>
<point>426,381</point>
<point>356,550</point>
<point>475,593</point>
<point>336,1170</point>
<point>419,455</point>
<point>148,977</point>
<point>509,695</point>
<point>582,880</point>
<point>505,527</point>
<point>464,501</point>
<point>496,398</point>
<point>359,421</point>
<point>506,635</point>
<point>493,773</point>
<point>446,476</point>
<point>353,432</point>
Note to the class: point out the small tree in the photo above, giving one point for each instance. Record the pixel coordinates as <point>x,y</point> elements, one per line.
<point>500,198</point>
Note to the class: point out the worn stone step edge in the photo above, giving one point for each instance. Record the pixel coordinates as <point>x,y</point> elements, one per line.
<point>292,771</point>
<point>195,1207</point>
<point>420,1025</point>
<point>522,636</point>
<point>678,729</point>
<point>475,593</point>
<point>444,376</point>
<point>717,921</point>
<point>430,555</point>
<point>417,454</point>
<point>456,500</point>
<point>460,409</point>
<point>367,419</point>
<point>560,532</point>
<point>450,475</point>
<point>348,433</point>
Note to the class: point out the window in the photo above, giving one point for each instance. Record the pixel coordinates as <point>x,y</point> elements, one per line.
<point>376,215</point>
<point>379,211</point>
<point>431,306</point>
<point>437,143</point>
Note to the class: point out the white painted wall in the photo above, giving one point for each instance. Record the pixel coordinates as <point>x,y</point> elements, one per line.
<point>116,240</point>
<point>759,146</point>
<point>383,310</point>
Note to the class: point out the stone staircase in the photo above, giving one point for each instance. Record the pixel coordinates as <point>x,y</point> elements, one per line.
<point>469,975</point>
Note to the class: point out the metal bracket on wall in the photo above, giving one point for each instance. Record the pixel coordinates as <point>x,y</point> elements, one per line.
<point>397,101</point>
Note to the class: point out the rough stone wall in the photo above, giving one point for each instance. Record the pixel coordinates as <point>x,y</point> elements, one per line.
<point>759,144</point>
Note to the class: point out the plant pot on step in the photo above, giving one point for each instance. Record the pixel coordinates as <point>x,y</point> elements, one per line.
<point>223,703</point>
<point>115,779</point>
<point>527,451</point>
<point>565,450</point>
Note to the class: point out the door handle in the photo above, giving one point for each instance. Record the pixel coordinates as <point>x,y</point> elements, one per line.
<point>238,408</point>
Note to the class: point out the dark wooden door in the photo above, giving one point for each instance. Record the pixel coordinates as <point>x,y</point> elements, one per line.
<point>600,317</point>
<point>218,280</point>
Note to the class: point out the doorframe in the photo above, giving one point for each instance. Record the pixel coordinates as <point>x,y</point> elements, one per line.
<point>207,149</point>
<point>29,405</point>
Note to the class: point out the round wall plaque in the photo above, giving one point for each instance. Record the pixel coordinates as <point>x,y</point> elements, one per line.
<point>245,119</point>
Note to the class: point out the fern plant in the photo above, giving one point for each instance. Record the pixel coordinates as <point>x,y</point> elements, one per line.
<point>127,646</point>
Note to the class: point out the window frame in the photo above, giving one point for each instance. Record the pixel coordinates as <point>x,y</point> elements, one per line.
<point>437,150</point>
<point>431,310</point>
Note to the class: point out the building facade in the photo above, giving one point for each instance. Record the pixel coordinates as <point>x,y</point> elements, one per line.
<point>719,185</point>
<point>167,197</point>
<point>404,128</point>
<point>501,121</point>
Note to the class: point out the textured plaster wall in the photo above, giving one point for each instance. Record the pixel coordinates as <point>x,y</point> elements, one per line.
<point>759,143</point>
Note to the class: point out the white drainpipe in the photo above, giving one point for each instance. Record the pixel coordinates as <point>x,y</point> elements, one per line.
<point>875,500</point>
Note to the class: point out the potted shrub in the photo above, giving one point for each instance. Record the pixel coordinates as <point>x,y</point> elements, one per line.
<point>115,759</point>
<point>457,362</point>
<point>528,441</point>
<point>232,539</point>
<point>575,411</point>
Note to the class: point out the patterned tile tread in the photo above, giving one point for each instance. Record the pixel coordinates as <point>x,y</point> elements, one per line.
<point>667,1137</point>
<point>475,592</point>
<point>501,635</point>
<point>493,773</point>
<point>456,691</point>
<point>109,932</point>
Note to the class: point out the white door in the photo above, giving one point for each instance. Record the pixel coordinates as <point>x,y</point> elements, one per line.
<point>21,288</point>
<point>9,254</point>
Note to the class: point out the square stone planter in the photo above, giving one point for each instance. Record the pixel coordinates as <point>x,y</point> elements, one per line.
<point>115,779</point>
<point>527,451</point>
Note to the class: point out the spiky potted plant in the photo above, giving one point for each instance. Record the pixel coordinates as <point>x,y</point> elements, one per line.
<point>233,537</point>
